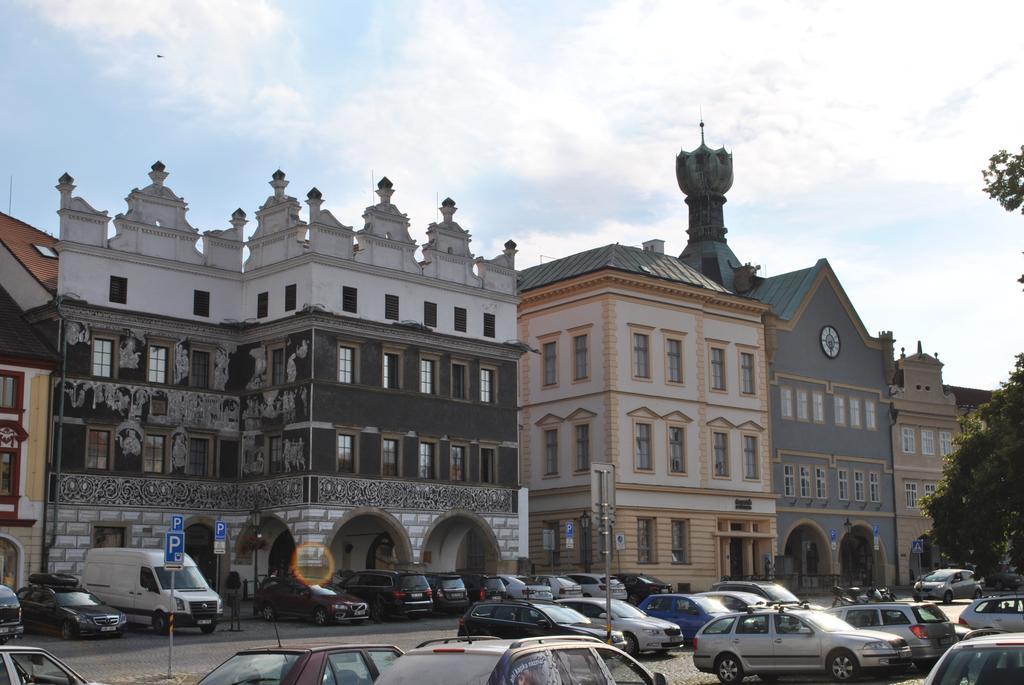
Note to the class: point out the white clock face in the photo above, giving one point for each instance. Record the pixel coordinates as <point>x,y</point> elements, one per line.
<point>830,342</point>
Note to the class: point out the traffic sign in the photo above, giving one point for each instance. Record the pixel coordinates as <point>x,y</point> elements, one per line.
<point>177,523</point>
<point>174,551</point>
<point>220,531</point>
<point>620,541</point>
<point>876,530</point>
<point>570,533</point>
<point>219,547</point>
<point>833,534</point>
<point>917,546</point>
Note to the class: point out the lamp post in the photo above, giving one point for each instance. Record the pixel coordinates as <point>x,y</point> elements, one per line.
<point>255,518</point>
<point>845,548</point>
<point>585,535</point>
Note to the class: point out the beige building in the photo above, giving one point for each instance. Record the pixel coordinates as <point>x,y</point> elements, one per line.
<point>645,363</point>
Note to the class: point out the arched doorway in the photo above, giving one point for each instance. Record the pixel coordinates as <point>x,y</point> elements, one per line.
<point>461,541</point>
<point>807,558</point>
<point>370,538</point>
<point>282,552</point>
<point>856,557</point>
<point>199,546</point>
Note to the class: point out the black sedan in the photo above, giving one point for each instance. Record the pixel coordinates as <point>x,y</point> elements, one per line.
<point>70,611</point>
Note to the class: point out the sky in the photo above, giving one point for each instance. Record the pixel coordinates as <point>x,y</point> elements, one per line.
<point>858,130</point>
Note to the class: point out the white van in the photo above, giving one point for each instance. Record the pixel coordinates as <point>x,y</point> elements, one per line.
<point>136,582</point>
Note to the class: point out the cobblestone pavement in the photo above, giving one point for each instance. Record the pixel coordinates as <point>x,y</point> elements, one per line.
<point>141,656</point>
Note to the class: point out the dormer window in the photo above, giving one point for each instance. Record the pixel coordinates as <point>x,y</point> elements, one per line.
<point>46,251</point>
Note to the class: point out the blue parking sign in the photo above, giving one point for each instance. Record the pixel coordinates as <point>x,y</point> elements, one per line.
<point>876,530</point>
<point>177,523</point>
<point>174,549</point>
<point>220,531</point>
<point>833,534</point>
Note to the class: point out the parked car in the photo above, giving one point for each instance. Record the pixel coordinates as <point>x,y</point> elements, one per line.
<point>55,603</point>
<point>926,629</point>
<point>640,585</point>
<point>750,643</point>
<point>562,659</point>
<point>314,665</point>
<point>560,586</point>
<point>1007,579</point>
<point>734,600</point>
<point>36,665</point>
<point>449,592</point>
<point>1004,613</point>
<point>689,612</point>
<point>643,633</point>
<point>947,584</point>
<point>773,592</point>
<point>520,587</point>
<point>10,615</point>
<point>482,586</point>
<point>995,659</point>
<point>595,585</point>
<point>290,597</point>
<point>519,618</point>
<point>391,593</point>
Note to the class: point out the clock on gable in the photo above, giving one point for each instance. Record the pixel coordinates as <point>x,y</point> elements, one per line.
<point>830,342</point>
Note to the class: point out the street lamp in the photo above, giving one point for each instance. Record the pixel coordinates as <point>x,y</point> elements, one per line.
<point>585,535</point>
<point>255,519</point>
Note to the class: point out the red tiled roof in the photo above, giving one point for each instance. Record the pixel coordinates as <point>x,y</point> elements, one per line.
<point>19,238</point>
<point>970,397</point>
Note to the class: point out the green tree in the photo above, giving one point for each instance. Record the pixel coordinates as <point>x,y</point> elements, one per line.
<point>977,510</point>
<point>1004,179</point>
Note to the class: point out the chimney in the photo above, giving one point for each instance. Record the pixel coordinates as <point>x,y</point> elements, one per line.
<point>654,245</point>
<point>314,198</point>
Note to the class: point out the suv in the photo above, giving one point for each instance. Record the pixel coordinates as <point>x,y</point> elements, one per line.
<point>391,593</point>
<point>10,615</point>
<point>751,643</point>
<point>449,592</point>
<point>773,592</point>
<point>639,586</point>
<point>925,628</point>
<point>517,618</point>
<point>565,659</point>
<point>985,659</point>
<point>947,584</point>
<point>480,586</point>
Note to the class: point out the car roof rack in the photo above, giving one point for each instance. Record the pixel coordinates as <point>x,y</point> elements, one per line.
<point>468,639</point>
<point>553,638</point>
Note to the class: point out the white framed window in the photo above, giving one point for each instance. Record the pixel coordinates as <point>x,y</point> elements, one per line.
<point>427,375</point>
<point>392,370</point>
<point>855,412</point>
<point>346,364</point>
<point>788,481</point>
<point>389,451</point>
<point>927,441</point>
<point>747,384</point>
<point>153,454</point>
<point>874,492</point>
<point>643,447</point>
<point>858,486</point>
<point>97,454</point>
<point>839,404</point>
<point>427,468</point>
<point>676,449</point>
<point>819,407</point>
<point>870,415</point>
<point>908,440</point>
<point>102,357</point>
<point>720,445</point>
<point>929,489</point>
<point>551,452</point>
<point>819,482</point>
<point>674,360</point>
<point>786,399</point>
<point>156,371</point>
<point>457,463</point>
<point>802,405</point>
<point>750,468</point>
<point>346,453</point>
<point>717,368</point>
<point>487,377</point>
<point>805,481</point>
<point>945,443</point>
<point>910,489</point>
<point>843,483</point>
<point>641,355</point>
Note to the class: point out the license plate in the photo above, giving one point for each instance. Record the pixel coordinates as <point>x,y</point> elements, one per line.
<point>417,595</point>
<point>107,629</point>
<point>204,621</point>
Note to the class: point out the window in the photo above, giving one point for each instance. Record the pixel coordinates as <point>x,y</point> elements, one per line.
<point>153,454</point>
<point>199,369</point>
<point>346,364</point>
<point>805,481</point>
<point>927,442</point>
<point>869,414</point>
<point>786,398</point>
<point>489,325</point>
<point>7,460</point>
<point>676,450</point>
<point>289,297</point>
<point>389,457</point>
<point>874,493</point>
<point>201,302</point>
<point>275,448</point>
<point>9,392</point>
<point>788,481</point>
<point>430,314</point>
<point>349,299</point>
<point>802,406</point>
<point>581,357</point>
<point>98,450</point>
<point>550,452</point>
<point>426,465</point>
<point>487,465</point>
<point>346,453</point>
<point>107,536</point>
<point>911,492</point>
<point>550,351</point>
<point>717,368</point>
<point>583,447</point>
<point>819,407</point>
<point>843,479</point>
<point>855,412</point>
<point>750,467</point>
<point>460,319</point>
<point>819,482</point>
<point>119,289</point>
<point>459,382</point>
<point>198,457</point>
<point>929,489</point>
<point>487,385</point>
<point>391,307</point>
<point>156,371</point>
<point>674,360</point>
<point>277,365</point>
<point>680,542</point>
<point>46,251</point>
<point>945,443</point>
<point>747,386</point>
<point>641,355</point>
<point>458,463</point>
<point>908,440</point>
<point>392,362</point>
<point>720,444</point>
<point>427,376</point>
<point>645,541</point>
<point>262,301</point>
<point>643,447</point>
<point>102,357</point>
<point>839,404</point>
<point>858,486</point>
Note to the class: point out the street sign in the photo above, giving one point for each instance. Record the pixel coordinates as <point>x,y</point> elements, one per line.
<point>833,534</point>
<point>917,546</point>
<point>219,547</point>
<point>570,534</point>
<point>177,523</point>
<point>876,530</point>
<point>598,496</point>
<point>220,531</point>
<point>174,551</point>
<point>620,541</point>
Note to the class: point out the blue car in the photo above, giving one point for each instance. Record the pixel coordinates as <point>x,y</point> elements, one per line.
<point>689,612</point>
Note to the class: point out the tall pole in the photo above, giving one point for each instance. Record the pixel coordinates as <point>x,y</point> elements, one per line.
<point>606,532</point>
<point>170,628</point>
<point>59,446</point>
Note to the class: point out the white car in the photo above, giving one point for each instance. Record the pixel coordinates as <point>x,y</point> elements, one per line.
<point>643,633</point>
<point>518,587</point>
<point>1002,613</point>
<point>593,585</point>
<point>561,587</point>
<point>994,659</point>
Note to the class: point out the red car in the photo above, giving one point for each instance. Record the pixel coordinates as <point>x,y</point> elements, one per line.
<point>340,664</point>
<point>291,597</point>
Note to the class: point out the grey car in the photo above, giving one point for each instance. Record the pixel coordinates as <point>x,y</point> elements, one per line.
<point>519,587</point>
<point>561,587</point>
<point>593,585</point>
<point>926,629</point>
<point>783,641</point>
<point>947,584</point>
<point>1002,613</point>
<point>643,633</point>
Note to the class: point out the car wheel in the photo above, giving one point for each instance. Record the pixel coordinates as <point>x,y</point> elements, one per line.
<point>320,617</point>
<point>376,611</point>
<point>842,666</point>
<point>948,597</point>
<point>632,645</point>
<point>68,630</point>
<point>208,629</point>
<point>268,613</point>
<point>159,623</point>
<point>728,668</point>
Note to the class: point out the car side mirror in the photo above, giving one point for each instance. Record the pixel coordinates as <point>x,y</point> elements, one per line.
<point>659,679</point>
<point>543,623</point>
<point>602,615</point>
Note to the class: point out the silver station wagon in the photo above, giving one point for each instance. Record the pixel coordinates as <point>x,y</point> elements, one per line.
<point>926,629</point>
<point>774,642</point>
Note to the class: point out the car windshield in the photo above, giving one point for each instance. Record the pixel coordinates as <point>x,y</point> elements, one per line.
<point>76,598</point>
<point>937,576</point>
<point>827,622</point>
<point>321,590</point>
<point>565,615</point>
<point>413,583</point>
<point>777,593</point>
<point>188,578</point>
<point>621,609</point>
<point>252,669</point>
<point>710,605</point>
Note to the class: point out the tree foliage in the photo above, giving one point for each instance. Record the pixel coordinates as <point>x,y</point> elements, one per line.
<point>1004,179</point>
<point>978,507</point>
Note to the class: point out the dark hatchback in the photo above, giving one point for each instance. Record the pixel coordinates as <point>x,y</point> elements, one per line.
<point>520,618</point>
<point>293,598</point>
<point>480,586</point>
<point>10,615</point>
<point>70,611</point>
<point>640,586</point>
<point>320,665</point>
<point>390,593</point>
<point>450,594</point>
